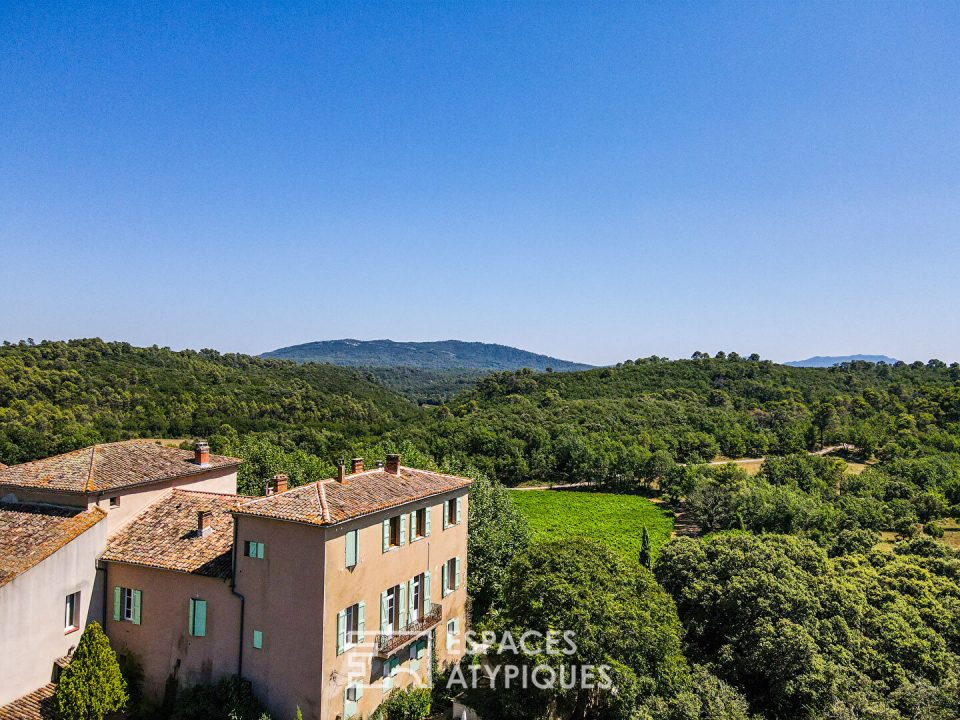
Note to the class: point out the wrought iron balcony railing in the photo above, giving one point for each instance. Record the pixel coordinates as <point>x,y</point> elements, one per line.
<point>387,643</point>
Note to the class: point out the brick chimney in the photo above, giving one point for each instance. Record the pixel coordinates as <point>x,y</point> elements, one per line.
<point>204,523</point>
<point>393,464</point>
<point>341,472</point>
<point>201,453</point>
<point>279,484</point>
<point>356,466</point>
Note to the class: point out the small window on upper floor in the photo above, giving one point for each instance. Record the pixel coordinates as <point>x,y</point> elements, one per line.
<point>395,531</point>
<point>114,502</point>
<point>253,549</point>
<point>419,521</point>
<point>451,512</point>
<point>71,613</point>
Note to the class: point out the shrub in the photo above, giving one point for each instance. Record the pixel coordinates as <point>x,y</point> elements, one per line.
<point>230,699</point>
<point>933,529</point>
<point>406,704</point>
<point>91,686</point>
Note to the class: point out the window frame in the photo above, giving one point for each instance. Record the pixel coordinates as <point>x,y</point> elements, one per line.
<point>126,604</point>
<point>253,549</point>
<point>420,523</point>
<point>351,626</point>
<point>394,532</point>
<point>115,502</point>
<point>71,612</point>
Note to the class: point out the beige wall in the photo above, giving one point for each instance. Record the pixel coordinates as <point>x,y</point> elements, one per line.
<point>43,497</point>
<point>32,612</point>
<point>284,600</point>
<point>135,500</point>
<point>162,641</point>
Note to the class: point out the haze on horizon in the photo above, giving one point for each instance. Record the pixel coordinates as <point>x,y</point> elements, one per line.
<point>594,182</point>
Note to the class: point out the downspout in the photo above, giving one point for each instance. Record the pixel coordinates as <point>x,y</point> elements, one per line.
<point>243,600</point>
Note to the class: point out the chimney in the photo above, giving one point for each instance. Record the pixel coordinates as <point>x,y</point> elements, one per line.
<point>201,453</point>
<point>356,466</point>
<point>341,472</point>
<point>393,464</point>
<point>279,484</point>
<point>204,523</point>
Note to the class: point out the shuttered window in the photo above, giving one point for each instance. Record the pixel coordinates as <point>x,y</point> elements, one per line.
<point>352,540</point>
<point>197,621</point>
<point>126,605</point>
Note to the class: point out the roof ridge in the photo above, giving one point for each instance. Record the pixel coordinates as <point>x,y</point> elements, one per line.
<point>211,492</point>
<point>322,499</point>
<point>93,457</point>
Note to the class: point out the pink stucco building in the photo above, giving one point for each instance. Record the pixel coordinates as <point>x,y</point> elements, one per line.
<point>326,596</point>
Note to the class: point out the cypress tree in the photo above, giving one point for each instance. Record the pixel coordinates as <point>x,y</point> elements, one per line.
<point>91,686</point>
<point>646,559</point>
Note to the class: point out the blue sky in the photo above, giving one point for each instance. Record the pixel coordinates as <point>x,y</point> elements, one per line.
<point>592,181</point>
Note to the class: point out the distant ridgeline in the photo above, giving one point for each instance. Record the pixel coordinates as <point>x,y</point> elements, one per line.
<point>831,360</point>
<point>440,355</point>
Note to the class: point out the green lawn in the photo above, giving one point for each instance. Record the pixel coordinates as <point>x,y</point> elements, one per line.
<point>615,520</point>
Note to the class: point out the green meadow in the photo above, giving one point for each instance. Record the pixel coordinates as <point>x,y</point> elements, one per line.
<point>615,520</point>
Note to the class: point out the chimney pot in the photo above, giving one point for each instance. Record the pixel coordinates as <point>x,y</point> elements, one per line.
<point>278,484</point>
<point>356,466</point>
<point>201,453</point>
<point>393,464</point>
<point>204,522</point>
<point>341,472</point>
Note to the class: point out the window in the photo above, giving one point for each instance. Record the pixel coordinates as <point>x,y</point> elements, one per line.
<point>394,532</point>
<point>416,594</point>
<point>350,627</point>
<point>114,502</point>
<point>258,640</point>
<point>351,696</point>
<point>126,605</point>
<point>253,549</point>
<point>392,610</point>
<point>419,524</point>
<point>197,622</point>
<point>451,576</point>
<point>352,540</point>
<point>71,612</point>
<point>451,512</point>
<point>452,628</point>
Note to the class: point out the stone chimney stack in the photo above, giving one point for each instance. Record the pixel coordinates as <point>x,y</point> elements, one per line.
<point>341,472</point>
<point>393,464</point>
<point>279,484</point>
<point>356,466</point>
<point>204,523</point>
<point>201,453</point>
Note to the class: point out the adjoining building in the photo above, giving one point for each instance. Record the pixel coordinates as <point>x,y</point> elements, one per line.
<point>325,596</point>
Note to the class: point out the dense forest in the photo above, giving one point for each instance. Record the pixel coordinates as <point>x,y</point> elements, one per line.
<point>786,606</point>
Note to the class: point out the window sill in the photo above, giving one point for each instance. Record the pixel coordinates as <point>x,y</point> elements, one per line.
<point>70,630</point>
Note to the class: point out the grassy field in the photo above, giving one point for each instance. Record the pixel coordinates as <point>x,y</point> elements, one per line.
<point>615,520</point>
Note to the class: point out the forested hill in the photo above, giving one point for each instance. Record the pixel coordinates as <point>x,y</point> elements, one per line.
<point>608,422</point>
<point>58,396</point>
<point>441,355</point>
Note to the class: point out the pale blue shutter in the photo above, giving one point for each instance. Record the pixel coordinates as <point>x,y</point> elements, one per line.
<point>444,584</point>
<point>403,529</point>
<point>198,618</point>
<point>117,602</point>
<point>413,525</point>
<point>386,534</point>
<point>341,631</point>
<point>445,508</point>
<point>361,623</point>
<point>383,612</point>
<point>402,607</point>
<point>259,551</point>
<point>258,639</point>
<point>410,600</point>
<point>456,574</point>
<point>458,511</point>
<point>428,512</point>
<point>136,607</point>
<point>351,547</point>
<point>426,593</point>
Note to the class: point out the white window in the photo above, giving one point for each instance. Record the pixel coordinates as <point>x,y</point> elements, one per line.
<point>392,608</point>
<point>126,604</point>
<point>127,596</point>
<point>416,597</point>
<point>452,628</point>
<point>451,576</point>
<point>353,617</point>
<point>71,612</point>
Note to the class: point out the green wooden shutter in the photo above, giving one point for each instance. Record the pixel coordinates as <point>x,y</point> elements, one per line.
<point>403,529</point>
<point>426,593</point>
<point>190,614</point>
<point>198,618</point>
<point>117,602</point>
<point>361,623</point>
<point>386,534</point>
<point>351,548</point>
<point>259,551</point>
<point>445,508</point>
<point>458,510</point>
<point>258,639</point>
<point>383,611</point>
<point>410,599</point>
<point>136,607</point>
<point>426,529</point>
<point>413,525</point>
<point>402,607</point>
<point>456,574</point>
<point>444,584</point>
<point>341,631</point>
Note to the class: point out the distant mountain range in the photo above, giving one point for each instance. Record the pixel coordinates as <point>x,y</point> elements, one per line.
<point>440,355</point>
<point>829,360</point>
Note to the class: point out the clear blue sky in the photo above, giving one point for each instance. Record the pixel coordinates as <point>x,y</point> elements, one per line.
<point>592,181</point>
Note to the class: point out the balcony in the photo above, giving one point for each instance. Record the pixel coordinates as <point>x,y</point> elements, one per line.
<point>387,643</point>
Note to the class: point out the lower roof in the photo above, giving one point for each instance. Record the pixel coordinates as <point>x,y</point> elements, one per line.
<point>37,705</point>
<point>30,533</point>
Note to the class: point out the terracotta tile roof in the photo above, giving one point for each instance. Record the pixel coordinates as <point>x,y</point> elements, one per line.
<point>31,533</point>
<point>328,501</point>
<point>35,706</point>
<point>108,467</point>
<point>165,535</point>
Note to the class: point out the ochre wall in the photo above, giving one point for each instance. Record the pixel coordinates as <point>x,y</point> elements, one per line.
<point>162,640</point>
